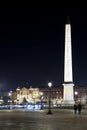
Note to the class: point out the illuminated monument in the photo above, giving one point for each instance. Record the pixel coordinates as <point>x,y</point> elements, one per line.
<point>68,92</point>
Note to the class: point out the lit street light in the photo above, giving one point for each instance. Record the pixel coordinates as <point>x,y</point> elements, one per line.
<point>76,95</point>
<point>50,85</point>
<point>41,99</point>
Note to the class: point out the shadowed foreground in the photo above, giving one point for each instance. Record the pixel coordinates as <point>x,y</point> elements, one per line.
<point>59,120</point>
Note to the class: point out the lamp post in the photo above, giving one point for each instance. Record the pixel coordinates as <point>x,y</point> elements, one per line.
<point>76,95</point>
<point>50,85</point>
<point>41,99</point>
<point>10,95</point>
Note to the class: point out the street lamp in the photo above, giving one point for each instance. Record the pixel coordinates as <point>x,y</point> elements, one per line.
<point>10,95</point>
<point>50,85</point>
<point>76,95</point>
<point>41,98</point>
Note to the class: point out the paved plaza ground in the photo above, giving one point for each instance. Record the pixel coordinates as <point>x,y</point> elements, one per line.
<point>61,119</point>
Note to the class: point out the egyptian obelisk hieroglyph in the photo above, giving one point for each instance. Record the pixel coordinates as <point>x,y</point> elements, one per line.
<point>68,86</point>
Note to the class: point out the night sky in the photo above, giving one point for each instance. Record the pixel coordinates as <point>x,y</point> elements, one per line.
<point>32,46</point>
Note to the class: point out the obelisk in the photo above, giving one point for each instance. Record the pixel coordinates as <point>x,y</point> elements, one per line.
<point>68,86</point>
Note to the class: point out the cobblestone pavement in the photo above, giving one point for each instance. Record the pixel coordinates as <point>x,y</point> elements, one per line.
<point>59,120</point>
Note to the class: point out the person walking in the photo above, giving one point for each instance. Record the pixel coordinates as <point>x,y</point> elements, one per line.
<point>75,108</point>
<point>79,108</point>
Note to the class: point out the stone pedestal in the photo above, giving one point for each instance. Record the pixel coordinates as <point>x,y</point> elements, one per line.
<point>68,94</point>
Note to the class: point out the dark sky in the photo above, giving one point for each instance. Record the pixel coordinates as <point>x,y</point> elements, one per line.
<point>32,46</point>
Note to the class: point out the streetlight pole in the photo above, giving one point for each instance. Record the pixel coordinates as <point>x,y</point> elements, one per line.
<point>76,95</point>
<point>41,99</point>
<point>50,85</point>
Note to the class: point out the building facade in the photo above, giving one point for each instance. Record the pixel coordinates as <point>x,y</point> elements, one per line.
<point>41,95</point>
<point>24,95</point>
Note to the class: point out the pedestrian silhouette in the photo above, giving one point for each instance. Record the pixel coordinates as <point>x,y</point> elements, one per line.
<point>79,108</point>
<point>75,108</point>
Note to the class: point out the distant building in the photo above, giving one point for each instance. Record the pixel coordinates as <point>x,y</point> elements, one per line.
<point>34,95</point>
<point>30,95</point>
<point>56,94</point>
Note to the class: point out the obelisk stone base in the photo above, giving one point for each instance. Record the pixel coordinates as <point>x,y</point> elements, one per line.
<point>68,94</point>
